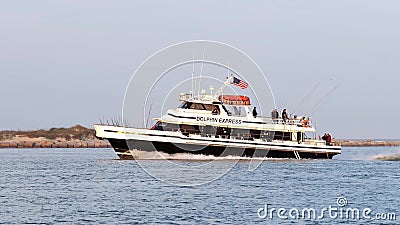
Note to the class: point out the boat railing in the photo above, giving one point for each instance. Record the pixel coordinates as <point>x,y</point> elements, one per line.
<point>314,142</point>
<point>290,121</point>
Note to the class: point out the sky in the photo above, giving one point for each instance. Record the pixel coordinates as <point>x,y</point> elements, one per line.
<point>69,62</point>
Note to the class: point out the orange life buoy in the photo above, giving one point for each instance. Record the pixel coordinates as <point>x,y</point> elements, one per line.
<point>306,123</point>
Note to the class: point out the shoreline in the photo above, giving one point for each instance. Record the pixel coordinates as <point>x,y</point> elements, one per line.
<point>55,144</point>
<point>366,143</point>
<point>97,143</point>
<point>82,137</point>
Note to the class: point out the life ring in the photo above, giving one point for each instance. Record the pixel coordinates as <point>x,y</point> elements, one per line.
<point>306,123</point>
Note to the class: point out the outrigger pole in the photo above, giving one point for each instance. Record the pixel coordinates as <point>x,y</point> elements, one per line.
<point>192,94</point>
<point>201,71</point>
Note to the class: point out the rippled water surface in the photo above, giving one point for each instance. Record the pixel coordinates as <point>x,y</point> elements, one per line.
<point>88,186</point>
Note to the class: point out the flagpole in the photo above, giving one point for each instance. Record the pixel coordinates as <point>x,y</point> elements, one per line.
<point>219,91</point>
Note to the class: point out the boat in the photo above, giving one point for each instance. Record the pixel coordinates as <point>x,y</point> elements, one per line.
<point>220,125</point>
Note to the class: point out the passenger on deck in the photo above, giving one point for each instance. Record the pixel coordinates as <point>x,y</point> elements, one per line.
<point>274,115</point>
<point>328,139</point>
<point>216,110</point>
<point>284,116</point>
<point>255,112</point>
<point>300,124</point>
<point>292,122</point>
<point>305,122</point>
<point>324,137</point>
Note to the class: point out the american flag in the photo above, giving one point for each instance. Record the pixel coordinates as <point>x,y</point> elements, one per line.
<point>239,83</point>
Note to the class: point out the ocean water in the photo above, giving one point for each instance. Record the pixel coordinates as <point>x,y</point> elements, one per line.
<point>89,186</point>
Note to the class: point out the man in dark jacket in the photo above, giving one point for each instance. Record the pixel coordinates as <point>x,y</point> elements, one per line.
<point>255,112</point>
<point>284,116</point>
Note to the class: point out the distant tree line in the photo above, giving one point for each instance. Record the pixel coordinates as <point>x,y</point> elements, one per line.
<point>76,132</point>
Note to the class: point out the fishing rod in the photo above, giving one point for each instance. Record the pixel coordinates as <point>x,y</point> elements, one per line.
<point>318,103</point>
<point>306,97</point>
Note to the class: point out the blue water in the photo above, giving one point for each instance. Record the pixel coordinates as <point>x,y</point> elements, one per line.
<point>88,186</point>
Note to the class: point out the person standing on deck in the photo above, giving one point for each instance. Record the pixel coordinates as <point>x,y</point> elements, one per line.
<point>324,137</point>
<point>284,116</point>
<point>255,112</point>
<point>328,139</point>
<point>273,115</point>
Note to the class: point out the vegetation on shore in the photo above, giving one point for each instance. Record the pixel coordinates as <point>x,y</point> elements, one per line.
<point>73,137</point>
<point>76,132</point>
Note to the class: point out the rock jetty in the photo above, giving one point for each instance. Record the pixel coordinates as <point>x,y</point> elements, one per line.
<point>367,143</point>
<point>55,144</point>
<point>73,137</point>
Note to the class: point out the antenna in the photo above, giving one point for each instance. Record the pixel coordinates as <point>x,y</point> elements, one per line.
<point>228,69</point>
<point>192,76</point>
<point>201,71</point>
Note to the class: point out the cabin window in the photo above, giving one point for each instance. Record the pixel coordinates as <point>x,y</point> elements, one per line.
<point>283,136</point>
<point>267,135</point>
<point>185,105</point>
<point>223,132</point>
<point>255,133</point>
<point>287,136</point>
<point>208,131</point>
<point>197,106</point>
<point>235,110</point>
<point>157,126</point>
<point>168,127</point>
<point>243,134</point>
<point>189,129</point>
<point>226,110</point>
<point>209,107</point>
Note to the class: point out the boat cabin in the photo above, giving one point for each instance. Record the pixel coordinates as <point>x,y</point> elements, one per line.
<point>227,116</point>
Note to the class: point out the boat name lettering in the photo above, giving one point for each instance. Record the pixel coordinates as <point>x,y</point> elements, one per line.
<point>218,120</point>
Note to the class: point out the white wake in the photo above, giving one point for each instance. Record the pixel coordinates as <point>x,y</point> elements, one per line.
<point>143,155</point>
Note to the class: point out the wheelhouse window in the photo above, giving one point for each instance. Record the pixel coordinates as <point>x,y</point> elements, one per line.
<point>185,105</point>
<point>197,106</point>
<point>235,110</point>
<point>209,107</point>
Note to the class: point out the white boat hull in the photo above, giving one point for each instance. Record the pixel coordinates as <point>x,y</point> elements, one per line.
<point>125,139</point>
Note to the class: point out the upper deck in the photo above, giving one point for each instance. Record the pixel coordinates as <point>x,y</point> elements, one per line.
<point>231,112</point>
